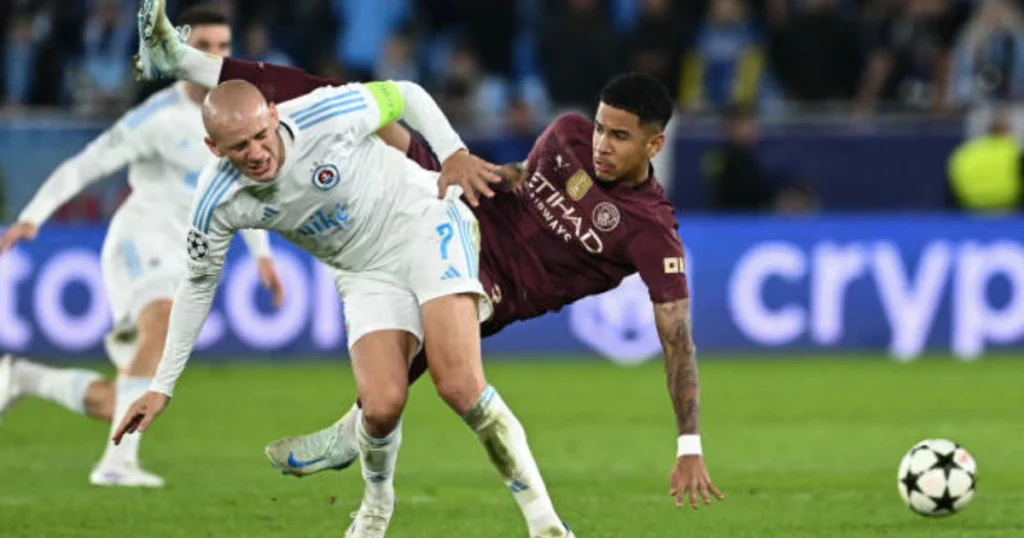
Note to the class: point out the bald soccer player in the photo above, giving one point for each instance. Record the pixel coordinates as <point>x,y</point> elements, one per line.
<point>405,261</point>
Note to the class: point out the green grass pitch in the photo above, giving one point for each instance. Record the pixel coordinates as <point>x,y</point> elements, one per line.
<point>801,448</point>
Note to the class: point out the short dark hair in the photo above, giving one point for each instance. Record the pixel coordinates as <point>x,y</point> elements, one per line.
<point>642,95</point>
<point>203,14</point>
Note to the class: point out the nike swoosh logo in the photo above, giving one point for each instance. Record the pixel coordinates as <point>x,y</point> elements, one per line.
<point>292,462</point>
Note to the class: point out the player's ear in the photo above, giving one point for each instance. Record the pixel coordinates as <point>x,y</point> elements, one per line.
<point>273,113</point>
<point>213,147</point>
<point>655,144</point>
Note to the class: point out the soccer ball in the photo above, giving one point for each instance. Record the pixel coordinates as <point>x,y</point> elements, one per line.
<point>936,477</point>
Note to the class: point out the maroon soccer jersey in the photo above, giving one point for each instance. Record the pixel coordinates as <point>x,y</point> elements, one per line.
<point>565,235</point>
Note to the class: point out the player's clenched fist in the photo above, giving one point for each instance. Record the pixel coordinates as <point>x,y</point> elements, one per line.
<point>689,478</point>
<point>471,173</point>
<point>141,414</point>
<point>18,232</point>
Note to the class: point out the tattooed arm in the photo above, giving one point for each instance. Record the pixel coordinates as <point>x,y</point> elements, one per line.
<point>676,334</point>
<point>512,175</point>
<point>689,478</point>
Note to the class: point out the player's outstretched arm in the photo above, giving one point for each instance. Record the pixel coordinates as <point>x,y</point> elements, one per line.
<point>189,311</point>
<point>689,476</point>
<point>206,248</point>
<point>110,152</point>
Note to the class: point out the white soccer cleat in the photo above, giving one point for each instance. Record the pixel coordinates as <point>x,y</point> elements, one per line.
<point>370,522</point>
<point>161,45</point>
<point>8,389</point>
<point>125,476</point>
<point>332,448</point>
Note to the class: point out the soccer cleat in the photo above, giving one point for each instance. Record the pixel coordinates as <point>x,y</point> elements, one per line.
<point>161,45</point>
<point>332,448</point>
<point>8,390</point>
<point>125,476</point>
<point>370,522</point>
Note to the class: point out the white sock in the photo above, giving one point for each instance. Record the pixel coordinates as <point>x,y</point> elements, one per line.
<point>348,428</point>
<point>379,458</point>
<point>129,389</point>
<point>505,441</point>
<point>200,68</point>
<point>63,386</point>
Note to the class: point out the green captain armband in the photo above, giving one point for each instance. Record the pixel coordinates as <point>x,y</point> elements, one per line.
<point>389,101</point>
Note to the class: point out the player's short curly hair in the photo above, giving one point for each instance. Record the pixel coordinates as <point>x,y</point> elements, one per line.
<point>640,94</point>
<point>203,14</point>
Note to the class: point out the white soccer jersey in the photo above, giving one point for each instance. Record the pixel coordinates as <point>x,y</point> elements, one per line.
<point>337,195</point>
<point>161,143</point>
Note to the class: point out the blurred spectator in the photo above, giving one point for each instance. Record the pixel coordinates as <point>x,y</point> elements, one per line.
<point>258,46</point>
<point>910,59</point>
<point>3,197</point>
<point>365,28</point>
<point>398,62</point>
<point>459,88</point>
<point>490,30</point>
<point>816,54</point>
<point>726,63</point>
<point>577,51</point>
<point>103,81</point>
<point>656,43</point>
<point>733,174</point>
<point>988,66</point>
<point>985,173</point>
<point>797,198</point>
<point>19,60</point>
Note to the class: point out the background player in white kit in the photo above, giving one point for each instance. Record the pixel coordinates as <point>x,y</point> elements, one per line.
<point>405,262</point>
<point>161,143</point>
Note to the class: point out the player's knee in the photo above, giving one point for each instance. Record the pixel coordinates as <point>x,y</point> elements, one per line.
<point>382,411</point>
<point>460,393</point>
<point>99,399</point>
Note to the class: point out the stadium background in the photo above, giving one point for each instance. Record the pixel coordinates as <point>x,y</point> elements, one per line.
<point>814,200</point>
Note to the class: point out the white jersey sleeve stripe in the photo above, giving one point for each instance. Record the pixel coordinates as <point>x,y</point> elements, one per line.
<point>334,104</point>
<point>204,200</point>
<point>333,112</point>
<point>304,113</point>
<point>222,189</point>
<point>140,115</point>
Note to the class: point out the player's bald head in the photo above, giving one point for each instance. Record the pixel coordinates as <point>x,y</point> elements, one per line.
<point>242,126</point>
<point>232,104</point>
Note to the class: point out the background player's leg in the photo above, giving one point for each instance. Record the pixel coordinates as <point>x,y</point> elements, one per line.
<point>81,391</point>
<point>379,361</point>
<point>119,464</point>
<point>452,337</point>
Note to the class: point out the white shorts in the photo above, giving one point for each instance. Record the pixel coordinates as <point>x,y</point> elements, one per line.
<point>142,263</point>
<point>439,257</point>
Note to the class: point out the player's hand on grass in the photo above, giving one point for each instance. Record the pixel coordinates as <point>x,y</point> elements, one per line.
<point>141,414</point>
<point>18,232</point>
<point>271,281</point>
<point>689,478</point>
<point>471,173</point>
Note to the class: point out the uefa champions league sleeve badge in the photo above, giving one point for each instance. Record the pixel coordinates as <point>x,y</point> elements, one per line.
<point>198,246</point>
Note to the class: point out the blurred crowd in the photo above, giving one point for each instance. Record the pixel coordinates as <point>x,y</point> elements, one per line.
<point>509,63</point>
<point>504,67</point>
